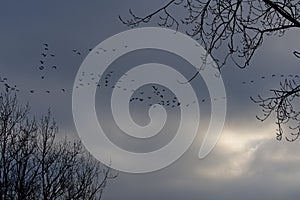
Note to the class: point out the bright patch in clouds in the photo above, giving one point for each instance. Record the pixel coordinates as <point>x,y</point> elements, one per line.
<point>235,152</point>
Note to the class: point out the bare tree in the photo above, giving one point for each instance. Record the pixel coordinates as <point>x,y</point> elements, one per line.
<point>15,131</point>
<point>238,27</point>
<point>35,165</point>
<point>283,103</point>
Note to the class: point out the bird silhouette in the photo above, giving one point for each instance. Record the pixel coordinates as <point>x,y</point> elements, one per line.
<point>297,54</point>
<point>104,50</point>
<point>155,88</point>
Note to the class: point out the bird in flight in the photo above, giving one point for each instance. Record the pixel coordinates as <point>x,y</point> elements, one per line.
<point>76,51</point>
<point>297,54</point>
<point>155,88</point>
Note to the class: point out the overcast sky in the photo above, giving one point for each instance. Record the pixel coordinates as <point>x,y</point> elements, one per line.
<point>247,162</point>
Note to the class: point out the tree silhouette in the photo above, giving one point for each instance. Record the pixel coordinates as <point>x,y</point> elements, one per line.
<point>238,27</point>
<point>34,164</point>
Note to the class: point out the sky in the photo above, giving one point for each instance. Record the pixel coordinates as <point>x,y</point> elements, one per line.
<point>246,163</point>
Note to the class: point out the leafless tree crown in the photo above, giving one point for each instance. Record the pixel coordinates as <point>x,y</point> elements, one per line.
<point>238,28</point>
<point>34,165</point>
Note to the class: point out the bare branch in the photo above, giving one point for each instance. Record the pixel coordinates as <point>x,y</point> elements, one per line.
<point>283,105</point>
<point>33,165</point>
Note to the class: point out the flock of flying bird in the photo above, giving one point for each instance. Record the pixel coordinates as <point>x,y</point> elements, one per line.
<point>44,66</point>
<point>157,95</point>
<point>291,76</point>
